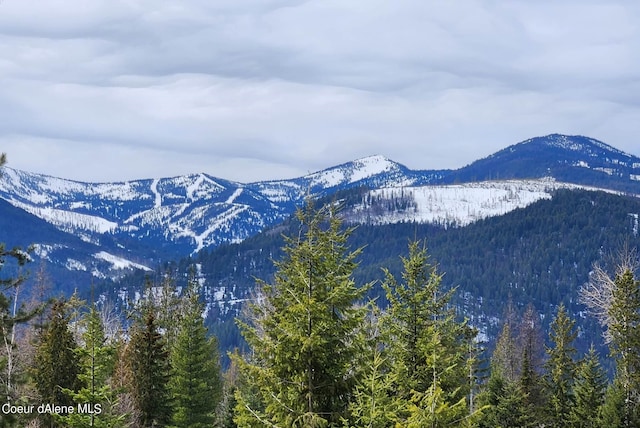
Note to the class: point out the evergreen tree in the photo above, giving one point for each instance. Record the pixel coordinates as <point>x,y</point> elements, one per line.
<point>97,397</point>
<point>589,390</point>
<point>373,404</point>
<point>560,368</point>
<point>226,408</point>
<point>427,346</point>
<point>11,314</point>
<point>505,358</point>
<point>503,403</point>
<point>303,332</point>
<point>195,383</point>
<point>625,342</point>
<point>148,361</point>
<point>12,371</point>
<point>530,385</point>
<point>612,413</point>
<point>56,365</point>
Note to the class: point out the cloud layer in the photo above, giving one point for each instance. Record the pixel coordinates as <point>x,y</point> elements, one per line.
<point>258,89</point>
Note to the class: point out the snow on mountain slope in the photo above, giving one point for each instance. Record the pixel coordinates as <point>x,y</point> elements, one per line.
<point>452,205</point>
<point>195,210</point>
<point>373,171</point>
<point>174,217</point>
<point>119,262</point>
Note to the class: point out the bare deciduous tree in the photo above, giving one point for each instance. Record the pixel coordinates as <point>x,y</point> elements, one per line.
<point>597,294</point>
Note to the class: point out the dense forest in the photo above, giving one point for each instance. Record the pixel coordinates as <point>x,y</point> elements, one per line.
<point>540,255</point>
<point>321,350</point>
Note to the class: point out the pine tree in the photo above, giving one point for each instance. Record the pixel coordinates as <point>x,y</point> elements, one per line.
<point>612,412</point>
<point>532,393</point>
<point>226,408</point>
<point>625,342</point>
<point>373,404</point>
<point>56,365</point>
<point>148,361</point>
<point>97,398</point>
<point>505,358</point>
<point>560,368</point>
<point>427,346</point>
<point>11,316</point>
<point>589,390</point>
<point>195,384</point>
<point>303,332</point>
<point>503,403</point>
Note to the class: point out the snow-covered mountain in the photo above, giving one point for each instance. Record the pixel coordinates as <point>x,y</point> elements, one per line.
<point>571,159</point>
<point>136,224</point>
<point>452,205</point>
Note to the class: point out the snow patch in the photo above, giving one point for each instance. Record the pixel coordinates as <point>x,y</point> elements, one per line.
<point>235,195</point>
<point>69,220</point>
<point>457,205</point>
<point>119,262</point>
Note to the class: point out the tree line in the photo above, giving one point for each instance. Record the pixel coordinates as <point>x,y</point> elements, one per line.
<point>320,353</point>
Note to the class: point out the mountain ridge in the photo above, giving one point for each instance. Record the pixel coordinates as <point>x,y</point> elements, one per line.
<point>150,220</point>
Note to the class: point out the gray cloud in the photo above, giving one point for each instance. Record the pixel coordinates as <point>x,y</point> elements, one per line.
<point>261,89</point>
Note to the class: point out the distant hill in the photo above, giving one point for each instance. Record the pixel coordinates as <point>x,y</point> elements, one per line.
<point>104,230</point>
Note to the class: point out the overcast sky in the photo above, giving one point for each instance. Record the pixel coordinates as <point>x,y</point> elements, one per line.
<point>247,90</point>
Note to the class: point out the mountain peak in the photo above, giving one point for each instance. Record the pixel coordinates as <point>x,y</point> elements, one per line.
<point>575,143</point>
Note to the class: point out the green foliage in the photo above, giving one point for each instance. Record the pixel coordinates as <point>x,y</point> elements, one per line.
<point>613,411</point>
<point>374,405</point>
<point>97,397</point>
<point>56,363</point>
<point>148,362</point>
<point>625,342</point>
<point>560,368</point>
<point>427,346</point>
<point>195,383</point>
<point>505,359</point>
<point>303,330</point>
<point>502,402</point>
<point>589,390</point>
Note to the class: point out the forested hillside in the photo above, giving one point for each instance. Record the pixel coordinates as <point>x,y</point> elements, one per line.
<point>321,354</point>
<point>539,255</point>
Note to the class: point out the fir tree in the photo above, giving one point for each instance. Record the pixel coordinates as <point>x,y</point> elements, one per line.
<point>503,403</point>
<point>428,347</point>
<point>505,358</point>
<point>532,392</point>
<point>226,408</point>
<point>560,368</point>
<point>13,374</point>
<point>56,366</point>
<point>625,342</point>
<point>303,332</point>
<point>148,361</point>
<point>97,397</point>
<point>195,384</point>
<point>589,390</point>
<point>373,404</point>
<point>613,411</point>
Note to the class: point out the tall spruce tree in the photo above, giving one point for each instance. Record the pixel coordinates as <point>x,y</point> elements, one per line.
<point>505,359</point>
<point>56,364</point>
<point>560,368</point>
<point>625,343</point>
<point>589,390</point>
<point>427,346</point>
<point>148,362</point>
<point>374,405</point>
<point>303,331</point>
<point>97,398</point>
<point>195,384</point>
